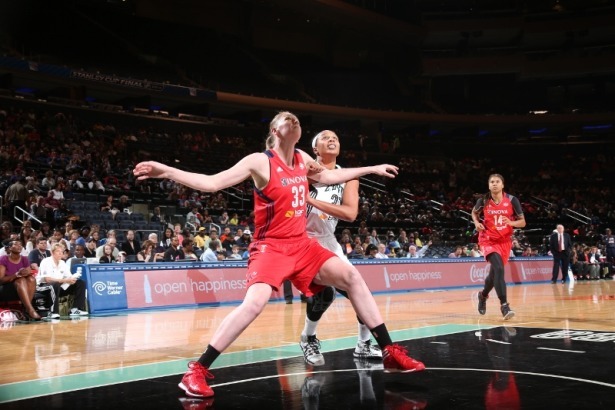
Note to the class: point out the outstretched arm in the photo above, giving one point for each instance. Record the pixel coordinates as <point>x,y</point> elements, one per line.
<point>246,167</point>
<point>338,175</point>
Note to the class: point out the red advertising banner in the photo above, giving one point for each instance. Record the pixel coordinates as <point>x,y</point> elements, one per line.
<point>168,287</point>
<point>416,276</point>
<point>172,287</point>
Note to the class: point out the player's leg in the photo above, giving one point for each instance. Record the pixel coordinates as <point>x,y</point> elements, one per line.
<point>194,381</point>
<point>343,276</point>
<point>365,349</point>
<point>499,282</point>
<point>315,308</point>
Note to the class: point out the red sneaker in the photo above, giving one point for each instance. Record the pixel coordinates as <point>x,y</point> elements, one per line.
<point>194,382</point>
<point>396,360</point>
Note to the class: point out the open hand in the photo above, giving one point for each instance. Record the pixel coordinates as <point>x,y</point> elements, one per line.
<point>149,169</point>
<point>385,170</point>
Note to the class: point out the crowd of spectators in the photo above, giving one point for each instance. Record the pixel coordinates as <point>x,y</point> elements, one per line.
<point>58,157</point>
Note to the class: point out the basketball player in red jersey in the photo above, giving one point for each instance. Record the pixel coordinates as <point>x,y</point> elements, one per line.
<point>501,213</point>
<point>281,249</point>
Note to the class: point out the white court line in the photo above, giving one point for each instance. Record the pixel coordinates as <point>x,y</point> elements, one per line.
<point>561,350</point>
<point>310,373</point>
<point>497,341</point>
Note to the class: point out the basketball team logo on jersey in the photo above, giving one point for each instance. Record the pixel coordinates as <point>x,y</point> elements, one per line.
<point>293,180</point>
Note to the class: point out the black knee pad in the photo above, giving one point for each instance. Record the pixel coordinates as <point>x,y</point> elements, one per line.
<point>321,301</point>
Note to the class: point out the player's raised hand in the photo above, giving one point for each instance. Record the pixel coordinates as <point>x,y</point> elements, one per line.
<point>150,169</point>
<point>385,170</point>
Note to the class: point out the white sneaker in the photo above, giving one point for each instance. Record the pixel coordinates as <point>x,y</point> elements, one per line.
<point>53,315</point>
<point>366,350</point>
<point>77,312</point>
<point>310,346</point>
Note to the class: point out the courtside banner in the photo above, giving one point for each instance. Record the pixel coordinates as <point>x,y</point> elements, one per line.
<point>138,286</point>
<point>168,287</point>
<point>106,287</point>
<point>399,275</point>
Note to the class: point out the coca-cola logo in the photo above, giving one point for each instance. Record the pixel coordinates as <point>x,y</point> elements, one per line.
<point>479,274</point>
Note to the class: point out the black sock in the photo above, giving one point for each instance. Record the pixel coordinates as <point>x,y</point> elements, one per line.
<point>381,334</point>
<point>209,356</point>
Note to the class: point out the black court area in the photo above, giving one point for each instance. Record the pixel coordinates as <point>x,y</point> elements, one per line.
<point>497,368</point>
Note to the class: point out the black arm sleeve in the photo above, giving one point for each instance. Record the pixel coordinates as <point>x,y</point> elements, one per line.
<point>514,201</point>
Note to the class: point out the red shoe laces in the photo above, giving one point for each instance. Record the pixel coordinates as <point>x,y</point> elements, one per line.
<point>199,368</point>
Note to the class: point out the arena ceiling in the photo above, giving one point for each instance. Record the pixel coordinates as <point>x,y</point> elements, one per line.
<point>457,45</point>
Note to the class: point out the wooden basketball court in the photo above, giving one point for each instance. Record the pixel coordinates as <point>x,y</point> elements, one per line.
<point>557,350</point>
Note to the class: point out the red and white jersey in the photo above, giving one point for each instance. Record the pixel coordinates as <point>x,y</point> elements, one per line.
<point>280,208</point>
<point>495,229</point>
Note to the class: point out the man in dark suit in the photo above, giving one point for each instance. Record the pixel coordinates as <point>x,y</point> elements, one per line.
<point>560,245</point>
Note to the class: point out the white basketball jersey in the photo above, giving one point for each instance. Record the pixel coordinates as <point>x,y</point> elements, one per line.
<point>319,224</point>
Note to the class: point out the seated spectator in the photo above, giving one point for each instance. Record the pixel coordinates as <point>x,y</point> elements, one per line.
<point>57,192</point>
<point>115,252</point>
<point>188,248</point>
<point>130,246</point>
<point>225,234</point>
<point>174,252</point>
<point>475,251</point>
<point>194,217</point>
<point>147,253</point>
<point>212,253</point>
<point>381,254</point>
<point>78,254</point>
<point>234,255</point>
<point>177,231</point>
<point>38,211</point>
<point>346,244</point>
<point>123,205</point>
<point>358,252</point>
<point>213,236</point>
<point>371,252</point>
<point>224,218</point>
<point>37,255</point>
<point>166,238</point>
<point>457,253</point>
<point>158,249</point>
<point>157,216</point>
<point>200,238</point>
<point>96,185</point>
<point>84,234</point>
<point>17,280</point>
<point>53,271</point>
<point>517,249</point>
<point>109,206</point>
<point>107,254</point>
<point>111,234</point>
<point>414,254</point>
<point>244,241</point>
<point>90,248</point>
<point>234,220</point>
